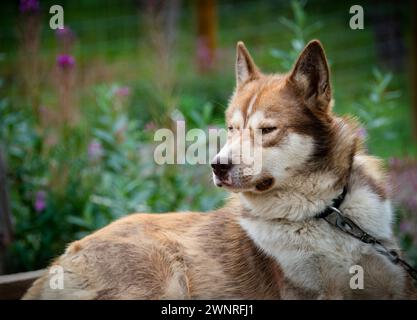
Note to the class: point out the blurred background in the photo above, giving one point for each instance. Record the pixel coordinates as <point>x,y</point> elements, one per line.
<point>79,106</point>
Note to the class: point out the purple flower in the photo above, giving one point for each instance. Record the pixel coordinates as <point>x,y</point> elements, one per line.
<point>150,126</point>
<point>362,133</point>
<point>403,180</point>
<point>95,150</point>
<point>40,201</point>
<point>406,227</point>
<point>65,61</point>
<point>396,165</point>
<point>122,91</point>
<point>204,53</point>
<point>28,6</point>
<point>64,33</point>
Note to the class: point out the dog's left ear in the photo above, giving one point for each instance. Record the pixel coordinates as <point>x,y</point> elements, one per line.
<point>246,70</point>
<point>311,75</point>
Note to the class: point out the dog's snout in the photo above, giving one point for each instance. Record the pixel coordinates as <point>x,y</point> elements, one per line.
<point>221,169</point>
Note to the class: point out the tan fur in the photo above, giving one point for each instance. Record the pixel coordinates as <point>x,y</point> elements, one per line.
<point>177,256</point>
<point>265,243</point>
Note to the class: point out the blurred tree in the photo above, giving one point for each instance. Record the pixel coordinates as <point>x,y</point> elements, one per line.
<point>206,34</point>
<point>387,20</point>
<point>5,221</point>
<point>414,66</point>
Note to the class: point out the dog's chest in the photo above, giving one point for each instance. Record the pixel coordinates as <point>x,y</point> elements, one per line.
<point>308,253</point>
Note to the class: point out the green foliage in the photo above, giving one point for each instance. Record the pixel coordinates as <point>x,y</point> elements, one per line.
<point>89,182</point>
<point>301,31</point>
<point>373,108</point>
<point>34,239</point>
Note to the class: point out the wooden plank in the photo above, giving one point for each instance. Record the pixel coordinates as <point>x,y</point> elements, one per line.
<point>13,286</point>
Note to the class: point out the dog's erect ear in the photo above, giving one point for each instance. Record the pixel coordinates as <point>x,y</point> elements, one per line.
<point>246,69</point>
<point>311,75</point>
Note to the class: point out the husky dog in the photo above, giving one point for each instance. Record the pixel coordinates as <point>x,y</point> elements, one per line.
<point>266,242</point>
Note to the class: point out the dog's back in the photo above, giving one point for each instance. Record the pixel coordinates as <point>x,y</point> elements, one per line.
<point>183,255</point>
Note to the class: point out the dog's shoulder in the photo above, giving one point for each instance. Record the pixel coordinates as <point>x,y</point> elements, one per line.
<point>368,202</point>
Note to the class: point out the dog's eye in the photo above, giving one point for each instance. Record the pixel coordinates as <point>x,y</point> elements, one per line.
<point>268,130</point>
<point>230,128</point>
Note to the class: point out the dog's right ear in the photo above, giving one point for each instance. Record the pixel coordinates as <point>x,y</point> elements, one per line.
<point>246,70</point>
<point>312,77</point>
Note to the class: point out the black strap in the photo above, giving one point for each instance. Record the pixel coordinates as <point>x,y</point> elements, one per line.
<point>334,217</point>
<point>335,204</point>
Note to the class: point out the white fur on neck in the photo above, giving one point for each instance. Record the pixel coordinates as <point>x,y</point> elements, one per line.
<point>305,197</point>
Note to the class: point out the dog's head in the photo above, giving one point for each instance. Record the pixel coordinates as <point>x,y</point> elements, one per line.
<point>292,114</point>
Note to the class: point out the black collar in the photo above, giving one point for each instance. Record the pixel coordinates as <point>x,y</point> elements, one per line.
<point>335,217</point>
<point>335,204</point>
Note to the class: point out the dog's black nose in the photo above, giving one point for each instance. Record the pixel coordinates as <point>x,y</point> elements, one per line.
<point>221,169</point>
